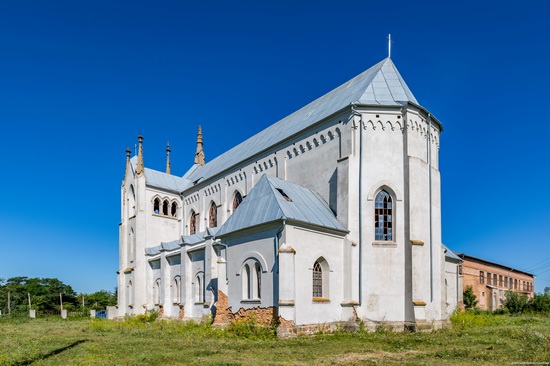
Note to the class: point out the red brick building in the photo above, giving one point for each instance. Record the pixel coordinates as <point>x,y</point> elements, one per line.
<point>490,281</point>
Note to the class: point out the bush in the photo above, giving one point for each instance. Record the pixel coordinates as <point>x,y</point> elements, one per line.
<point>515,303</point>
<point>539,304</point>
<point>469,298</point>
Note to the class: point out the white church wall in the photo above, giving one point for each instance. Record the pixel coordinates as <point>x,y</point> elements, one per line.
<point>254,246</point>
<point>196,284</point>
<point>310,246</point>
<point>383,261</point>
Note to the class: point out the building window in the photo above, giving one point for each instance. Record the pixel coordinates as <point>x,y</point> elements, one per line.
<point>505,282</point>
<point>383,217</point>
<point>251,274</point>
<point>165,208</point>
<point>192,222</point>
<point>156,206</point>
<point>176,290</point>
<point>489,282</point>
<point>516,284</point>
<point>174,209</point>
<point>317,280</point>
<point>156,292</point>
<point>199,288</point>
<point>495,283</point>
<point>237,200</point>
<point>500,281</point>
<point>213,215</point>
<point>481,277</point>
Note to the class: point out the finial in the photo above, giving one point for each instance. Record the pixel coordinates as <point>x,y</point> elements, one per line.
<point>168,170</point>
<point>389,45</point>
<point>140,166</point>
<point>128,152</point>
<point>199,154</point>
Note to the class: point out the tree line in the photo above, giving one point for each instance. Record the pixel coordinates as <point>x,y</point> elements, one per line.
<point>514,302</point>
<point>47,294</point>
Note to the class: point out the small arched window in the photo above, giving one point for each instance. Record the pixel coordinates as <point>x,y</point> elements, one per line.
<point>192,223</point>
<point>165,207</point>
<point>174,209</point>
<point>251,274</point>
<point>199,288</point>
<point>176,290</point>
<point>237,200</point>
<point>213,215</point>
<point>317,280</point>
<point>156,206</point>
<point>156,292</point>
<point>383,216</point>
<point>247,293</point>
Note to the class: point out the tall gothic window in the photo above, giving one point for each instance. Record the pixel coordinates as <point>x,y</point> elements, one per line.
<point>192,223</point>
<point>156,206</point>
<point>165,207</point>
<point>237,200</point>
<point>213,214</point>
<point>174,209</point>
<point>317,280</point>
<point>383,217</point>
<point>251,274</point>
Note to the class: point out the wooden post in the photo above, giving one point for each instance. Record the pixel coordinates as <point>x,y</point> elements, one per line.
<point>9,303</point>
<point>61,301</point>
<point>30,305</point>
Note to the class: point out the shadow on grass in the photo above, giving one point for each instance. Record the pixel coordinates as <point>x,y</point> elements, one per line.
<point>49,354</point>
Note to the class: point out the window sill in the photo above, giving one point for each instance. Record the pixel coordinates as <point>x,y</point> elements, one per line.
<point>165,216</point>
<point>384,244</point>
<point>321,300</point>
<point>251,301</point>
<point>199,303</point>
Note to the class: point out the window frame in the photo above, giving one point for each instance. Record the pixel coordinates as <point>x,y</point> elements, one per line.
<point>384,207</point>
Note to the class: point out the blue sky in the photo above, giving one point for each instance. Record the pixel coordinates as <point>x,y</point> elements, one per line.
<point>80,80</point>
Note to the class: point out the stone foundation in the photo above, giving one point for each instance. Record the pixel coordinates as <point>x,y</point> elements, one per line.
<point>311,329</point>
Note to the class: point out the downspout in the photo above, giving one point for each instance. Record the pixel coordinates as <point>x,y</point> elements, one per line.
<point>429,136</point>
<point>360,282</point>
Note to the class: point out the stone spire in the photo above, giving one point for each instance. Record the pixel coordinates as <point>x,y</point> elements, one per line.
<point>168,170</point>
<point>128,169</point>
<point>139,165</point>
<point>199,155</point>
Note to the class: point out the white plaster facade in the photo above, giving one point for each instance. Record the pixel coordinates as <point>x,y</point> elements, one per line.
<point>347,156</point>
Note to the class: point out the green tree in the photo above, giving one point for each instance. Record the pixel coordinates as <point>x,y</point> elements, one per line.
<point>100,299</point>
<point>469,298</point>
<point>515,302</point>
<point>44,293</point>
<point>540,303</point>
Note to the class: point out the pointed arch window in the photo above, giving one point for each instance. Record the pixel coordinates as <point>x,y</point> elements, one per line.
<point>213,215</point>
<point>192,223</point>
<point>237,200</point>
<point>165,207</point>
<point>156,292</point>
<point>383,216</point>
<point>317,280</point>
<point>199,288</point>
<point>251,276</point>
<point>174,209</point>
<point>176,297</point>
<point>156,206</point>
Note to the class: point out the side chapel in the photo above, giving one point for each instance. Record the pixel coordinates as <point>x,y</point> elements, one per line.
<point>329,216</point>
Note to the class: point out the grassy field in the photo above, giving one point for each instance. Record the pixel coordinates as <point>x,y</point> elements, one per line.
<point>474,339</point>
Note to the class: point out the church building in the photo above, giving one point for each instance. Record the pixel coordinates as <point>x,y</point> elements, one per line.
<point>328,217</point>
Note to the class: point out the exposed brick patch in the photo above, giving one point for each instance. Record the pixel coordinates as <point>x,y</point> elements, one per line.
<point>181,313</point>
<point>161,311</point>
<point>223,313</point>
<point>260,316</point>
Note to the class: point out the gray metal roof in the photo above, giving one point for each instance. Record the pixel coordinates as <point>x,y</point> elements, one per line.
<point>450,254</point>
<point>162,180</point>
<point>183,240</point>
<point>379,85</point>
<point>265,203</point>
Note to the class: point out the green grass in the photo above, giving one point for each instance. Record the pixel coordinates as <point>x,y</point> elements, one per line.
<point>473,339</point>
